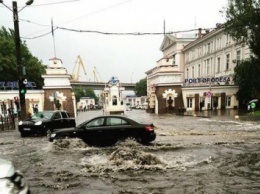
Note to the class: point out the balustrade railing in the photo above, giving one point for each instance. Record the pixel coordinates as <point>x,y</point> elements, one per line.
<point>7,122</point>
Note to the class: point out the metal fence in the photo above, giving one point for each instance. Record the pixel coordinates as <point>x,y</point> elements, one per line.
<point>7,122</point>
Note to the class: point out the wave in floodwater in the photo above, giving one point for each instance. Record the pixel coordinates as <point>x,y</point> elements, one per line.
<point>123,159</point>
<point>129,156</point>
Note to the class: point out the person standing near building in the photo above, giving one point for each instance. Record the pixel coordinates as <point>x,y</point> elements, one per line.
<point>201,104</point>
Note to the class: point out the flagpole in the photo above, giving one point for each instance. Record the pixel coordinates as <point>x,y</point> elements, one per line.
<point>53,38</point>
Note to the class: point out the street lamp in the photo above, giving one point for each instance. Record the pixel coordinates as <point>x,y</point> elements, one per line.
<point>20,67</point>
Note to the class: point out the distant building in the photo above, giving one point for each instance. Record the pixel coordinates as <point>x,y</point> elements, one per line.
<point>56,92</point>
<point>196,73</point>
<point>136,101</point>
<point>209,71</point>
<point>86,103</point>
<point>112,97</point>
<point>165,81</point>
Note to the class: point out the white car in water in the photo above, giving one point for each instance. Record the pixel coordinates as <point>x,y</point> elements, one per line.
<point>11,180</point>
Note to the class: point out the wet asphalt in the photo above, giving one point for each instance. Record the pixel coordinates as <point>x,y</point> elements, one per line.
<point>200,152</point>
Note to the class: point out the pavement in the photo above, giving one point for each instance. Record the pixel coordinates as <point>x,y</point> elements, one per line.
<point>232,114</point>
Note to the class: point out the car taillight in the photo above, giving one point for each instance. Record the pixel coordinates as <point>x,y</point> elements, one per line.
<point>149,128</point>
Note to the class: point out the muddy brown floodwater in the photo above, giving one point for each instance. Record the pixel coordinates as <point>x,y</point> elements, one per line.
<point>190,155</point>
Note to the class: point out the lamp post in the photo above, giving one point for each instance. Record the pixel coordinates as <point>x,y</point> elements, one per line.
<point>20,68</point>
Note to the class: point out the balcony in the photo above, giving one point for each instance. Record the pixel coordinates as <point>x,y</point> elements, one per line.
<point>165,65</point>
<point>166,62</point>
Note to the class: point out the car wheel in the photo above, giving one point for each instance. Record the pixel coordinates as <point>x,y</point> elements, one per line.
<point>49,132</point>
<point>24,134</point>
<point>131,138</point>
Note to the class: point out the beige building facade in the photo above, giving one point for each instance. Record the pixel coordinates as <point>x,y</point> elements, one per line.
<point>197,73</point>
<point>209,71</point>
<point>165,81</point>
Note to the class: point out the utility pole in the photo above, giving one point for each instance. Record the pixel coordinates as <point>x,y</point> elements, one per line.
<point>20,68</point>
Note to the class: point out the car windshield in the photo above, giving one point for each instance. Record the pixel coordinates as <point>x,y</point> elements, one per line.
<point>82,124</point>
<point>44,114</point>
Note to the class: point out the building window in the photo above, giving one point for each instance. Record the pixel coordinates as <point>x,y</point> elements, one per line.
<point>238,57</point>
<point>208,67</point>
<point>187,73</point>
<point>227,61</point>
<point>199,70</point>
<point>204,68</point>
<point>173,60</point>
<point>192,72</point>
<point>227,39</point>
<point>208,47</point>
<point>186,57</point>
<point>228,101</point>
<point>218,64</point>
<point>189,102</point>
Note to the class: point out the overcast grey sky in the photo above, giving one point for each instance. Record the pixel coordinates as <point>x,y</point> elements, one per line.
<point>124,56</point>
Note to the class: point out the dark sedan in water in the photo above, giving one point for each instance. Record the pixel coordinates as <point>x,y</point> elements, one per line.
<point>107,130</point>
<point>45,122</point>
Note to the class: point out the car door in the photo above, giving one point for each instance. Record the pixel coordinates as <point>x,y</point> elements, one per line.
<point>66,121</point>
<point>117,127</point>
<point>94,130</point>
<point>56,121</point>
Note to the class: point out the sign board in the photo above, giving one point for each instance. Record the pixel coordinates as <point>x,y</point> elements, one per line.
<point>209,94</point>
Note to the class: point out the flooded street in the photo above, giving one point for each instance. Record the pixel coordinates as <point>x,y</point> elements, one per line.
<point>190,155</point>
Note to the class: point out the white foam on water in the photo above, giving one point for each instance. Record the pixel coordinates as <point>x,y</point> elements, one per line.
<point>122,159</point>
<point>8,152</point>
<point>96,159</point>
<point>66,144</point>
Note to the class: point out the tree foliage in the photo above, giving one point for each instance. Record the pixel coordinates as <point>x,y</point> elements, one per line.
<point>141,87</point>
<point>243,23</point>
<point>248,79</point>
<point>84,92</point>
<point>8,63</point>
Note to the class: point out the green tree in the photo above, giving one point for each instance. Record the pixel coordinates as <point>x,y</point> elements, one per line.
<point>243,23</point>
<point>8,64</point>
<point>141,87</point>
<point>84,92</point>
<point>248,79</point>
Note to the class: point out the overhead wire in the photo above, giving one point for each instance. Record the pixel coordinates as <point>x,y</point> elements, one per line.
<point>54,28</point>
<point>60,2</point>
<point>117,33</point>
<point>92,13</point>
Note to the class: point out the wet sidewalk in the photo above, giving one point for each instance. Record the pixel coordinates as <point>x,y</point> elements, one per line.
<point>224,114</point>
